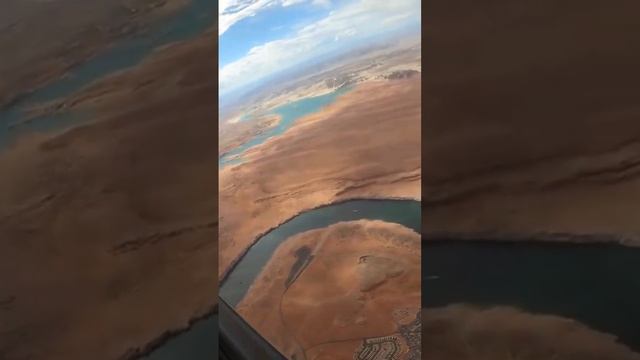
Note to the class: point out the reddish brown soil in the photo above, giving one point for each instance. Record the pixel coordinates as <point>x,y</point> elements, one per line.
<point>531,117</point>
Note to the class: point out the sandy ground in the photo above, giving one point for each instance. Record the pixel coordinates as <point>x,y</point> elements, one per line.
<point>365,145</point>
<point>532,117</point>
<point>460,332</point>
<point>108,231</point>
<point>362,281</point>
<point>68,32</point>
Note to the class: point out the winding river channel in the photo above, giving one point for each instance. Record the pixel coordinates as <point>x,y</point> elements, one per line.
<point>196,344</point>
<point>240,278</point>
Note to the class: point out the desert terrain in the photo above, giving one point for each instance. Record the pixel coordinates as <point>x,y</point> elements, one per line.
<point>532,120</point>
<point>461,332</point>
<point>68,33</point>
<point>323,159</point>
<point>332,291</point>
<point>108,230</point>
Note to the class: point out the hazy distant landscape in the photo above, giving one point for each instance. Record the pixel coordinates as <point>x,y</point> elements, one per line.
<point>386,61</point>
<point>347,67</point>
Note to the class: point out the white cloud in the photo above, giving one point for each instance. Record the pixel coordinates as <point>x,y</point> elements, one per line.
<point>232,11</point>
<point>291,2</point>
<point>342,26</point>
<point>323,3</point>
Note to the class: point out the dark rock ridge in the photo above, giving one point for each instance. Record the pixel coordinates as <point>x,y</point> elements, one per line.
<point>154,238</point>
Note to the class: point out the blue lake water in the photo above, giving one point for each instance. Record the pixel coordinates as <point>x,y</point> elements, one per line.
<point>289,114</point>
<point>195,18</point>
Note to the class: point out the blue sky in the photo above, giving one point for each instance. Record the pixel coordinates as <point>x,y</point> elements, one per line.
<point>258,38</point>
<point>271,24</point>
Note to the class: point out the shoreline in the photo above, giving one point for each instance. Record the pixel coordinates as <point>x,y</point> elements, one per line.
<point>273,119</point>
<point>135,25</point>
<point>502,319</point>
<point>78,102</point>
<point>77,99</point>
<point>166,336</point>
<point>270,111</point>
<point>246,154</point>
<point>235,262</point>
